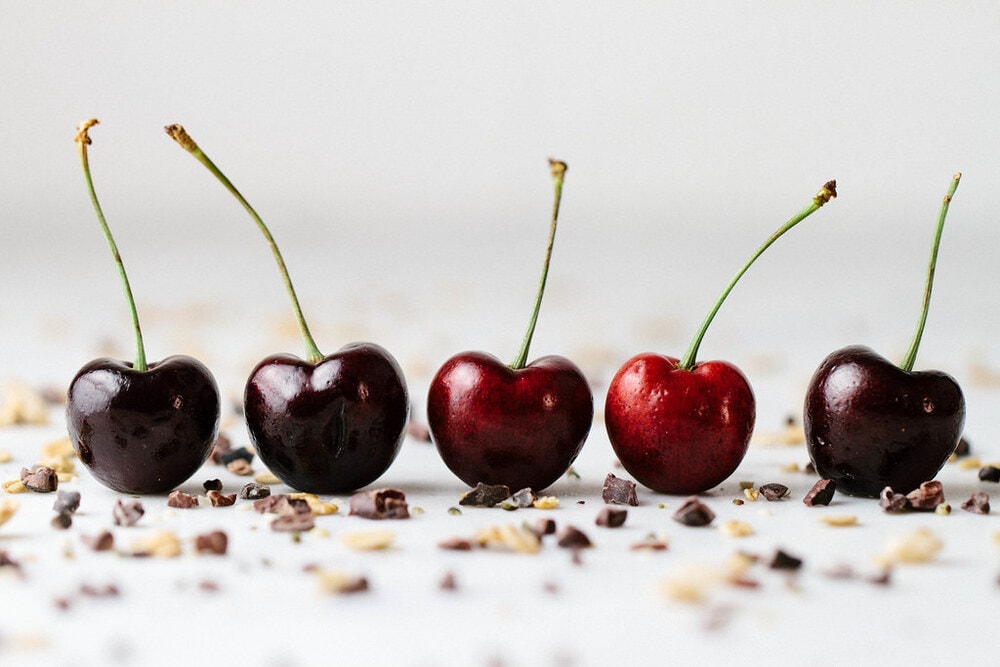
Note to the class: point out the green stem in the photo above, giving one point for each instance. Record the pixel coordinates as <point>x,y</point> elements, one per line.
<point>82,141</point>
<point>911,354</point>
<point>558,174</point>
<point>826,193</point>
<point>178,134</point>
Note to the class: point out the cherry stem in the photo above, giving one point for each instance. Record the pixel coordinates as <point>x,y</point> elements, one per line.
<point>558,174</point>
<point>178,134</point>
<point>826,193</point>
<point>911,354</point>
<point>82,141</point>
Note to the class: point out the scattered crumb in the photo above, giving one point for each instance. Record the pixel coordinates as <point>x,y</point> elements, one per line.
<point>839,520</point>
<point>919,546</point>
<point>369,540</point>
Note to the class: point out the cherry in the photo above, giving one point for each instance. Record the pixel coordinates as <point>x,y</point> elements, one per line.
<point>139,427</point>
<point>681,426</point>
<point>326,424</point>
<point>520,425</point>
<point>870,424</point>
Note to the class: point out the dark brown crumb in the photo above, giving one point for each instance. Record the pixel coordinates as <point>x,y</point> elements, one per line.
<point>883,578</point>
<point>650,544</point>
<point>418,431</point>
<point>978,503</point>
<point>212,485</point>
<point>448,582</point>
<point>485,495</point>
<point>181,500</point>
<point>544,527</point>
<point>221,499</point>
<point>618,491</point>
<point>293,523</point>
<point>573,538</point>
<point>611,517</point>
<point>7,561</point>
<point>892,502</point>
<point>67,501</point>
<point>103,541</point>
<point>208,586</point>
<point>809,469</point>
<point>784,561</point>
<point>62,521</point>
<point>694,513</point>
<point>773,491</point>
<point>926,497</point>
<point>380,504</point>
<point>215,542</point>
<point>254,491</point>
<point>963,448</point>
<point>106,591</point>
<point>42,479</point>
<point>989,474</point>
<point>821,493</point>
<point>524,498</point>
<point>222,445</point>
<point>455,544</point>
<point>127,513</point>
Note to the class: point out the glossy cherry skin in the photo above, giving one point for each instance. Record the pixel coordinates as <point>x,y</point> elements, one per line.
<point>869,424</point>
<point>679,431</point>
<point>143,431</point>
<point>496,425</point>
<point>330,427</point>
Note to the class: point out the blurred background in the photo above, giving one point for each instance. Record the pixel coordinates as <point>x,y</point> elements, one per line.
<point>398,152</point>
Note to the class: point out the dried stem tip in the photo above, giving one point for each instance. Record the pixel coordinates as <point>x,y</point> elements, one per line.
<point>826,193</point>
<point>81,130</point>
<point>558,168</point>
<point>178,134</point>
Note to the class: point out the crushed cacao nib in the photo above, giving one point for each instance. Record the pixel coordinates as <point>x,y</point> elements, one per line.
<point>883,578</point>
<point>978,503</point>
<point>926,497</point>
<point>611,517</point>
<point>235,454</point>
<point>221,499</point>
<point>455,544</point>
<point>254,491</point>
<point>650,544</point>
<point>380,504</point>
<point>269,504</point>
<point>448,582</point>
<point>208,586</point>
<point>42,479</point>
<point>989,474</point>
<point>485,495</point>
<point>773,491</point>
<point>212,485</point>
<point>784,561</point>
<point>103,541</point>
<point>963,448</point>
<point>293,523</point>
<point>67,501</point>
<point>106,591</point>
<point>62,521</point>
<point>418,432</point>
<point>573,538</point>
<point>222,445</point>
<point>810,468</point>
<point>618,491</point>
<point>694,513</point>
<point>127,513</point>
<point>181,500</point>
<point>821,493</point>
<point>7,561</point>
<point>544,527</point>
<point>893,502</point>
<point>526,497</point>
<point>215,542</point>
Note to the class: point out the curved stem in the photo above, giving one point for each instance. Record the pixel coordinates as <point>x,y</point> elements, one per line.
<point>826,193</point>
<point>82,141</point>
<point>911,354</point>
<point>178,134</point>
<point>558,173</point>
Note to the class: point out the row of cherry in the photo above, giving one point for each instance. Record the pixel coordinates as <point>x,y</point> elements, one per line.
<point>335,423</point>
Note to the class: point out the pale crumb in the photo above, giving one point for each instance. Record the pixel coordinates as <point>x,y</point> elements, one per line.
<point>546,503</point>
<point>67,477</point>
<point>996,539</point>
<point>790,467</point>
<point>22,405</point>
<point>14,486</point>
<point>316,506</point>
<point>764,511</point>
<point>735,528</point>
<point>336,582</point>
<point>969,463</point>
<point>738,564</point>
<point>751,494</point>
<point>319,532</point>
<point>943,509</point>
<point>792,434</point>
<point>839,520</point>
<point>919,546</point>
<point>58,463</point>
<point>511,537</point>
<point>240,467</point>
<point>162,544</point>
<point>61,448</point>
<point>8,507</point>
<point>692,583</point>
<point>5,456</point>
<point>266,477</point>
<point>369,540</point>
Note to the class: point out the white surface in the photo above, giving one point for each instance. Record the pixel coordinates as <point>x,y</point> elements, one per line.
<point>398,153</point>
